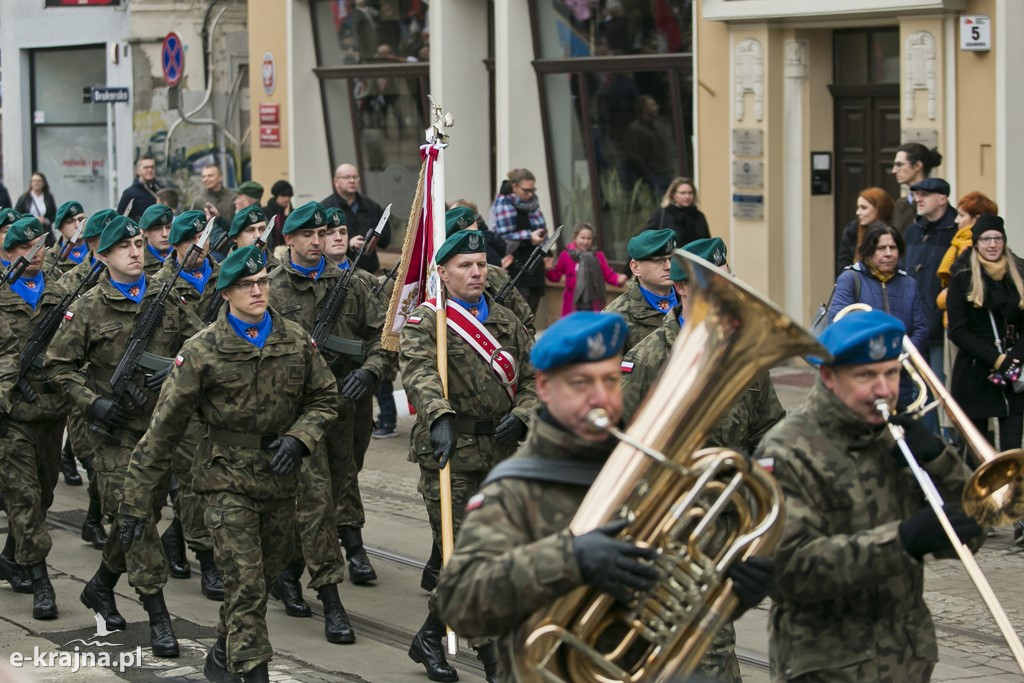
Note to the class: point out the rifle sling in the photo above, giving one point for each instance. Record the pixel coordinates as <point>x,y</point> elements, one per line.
<point>550,470</point>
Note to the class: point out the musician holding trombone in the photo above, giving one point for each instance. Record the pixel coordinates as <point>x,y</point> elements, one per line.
<point>847,604</point>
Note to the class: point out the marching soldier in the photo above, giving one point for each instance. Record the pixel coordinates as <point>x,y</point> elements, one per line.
<point>69,216</point>
<point>246,227</point>
<point>7,218</point>
<point>9,568</point>
<point>32,426</point>
<point>650,296</point>
<point>83,355</point>
<point>156,224</point>
<point>848,603</point>
<point>490,402</point>
<point>264,397</point>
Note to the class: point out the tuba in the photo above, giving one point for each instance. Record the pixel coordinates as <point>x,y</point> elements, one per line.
<point>700,510</point>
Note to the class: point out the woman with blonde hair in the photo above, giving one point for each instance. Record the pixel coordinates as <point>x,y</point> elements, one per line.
<point>874,205</point>
<point>679,212</point>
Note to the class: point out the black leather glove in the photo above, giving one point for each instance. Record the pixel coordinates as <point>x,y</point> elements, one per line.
<point>132,529</point>
<point>510,430</point>
<point>357,384</point>
<point>751,581</point>
<point>443,439</point>
<point>923,534</point>
<point>4,417</point>
<point>923,444</point>
<point>289,451</point>
<point>156,380</point>
<point>107,411</point>
<point>612,566</point>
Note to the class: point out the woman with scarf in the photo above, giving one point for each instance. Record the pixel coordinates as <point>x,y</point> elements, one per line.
<point>585,271</point>
<point>679,212</point>
<point>876,281</point>
<point>37,201</point>
<point>986,318</point>
<point>516,218</point>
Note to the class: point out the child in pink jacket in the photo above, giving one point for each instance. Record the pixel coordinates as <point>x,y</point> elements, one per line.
<point>585,271</point>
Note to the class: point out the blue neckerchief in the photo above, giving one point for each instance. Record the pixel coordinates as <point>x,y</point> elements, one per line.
<point>156,254</point>
<point>662,304</point>
<point>682,320</point>
<point>30,288</point>
<point>345,265</point>
<point>92,260</point>
<point>254,334</point>
<point>7,264</point>
<point>132,290</point>
<point>478,310</point>
<point>78,253</point>
<point>315,272</point>
<point>198,278</point>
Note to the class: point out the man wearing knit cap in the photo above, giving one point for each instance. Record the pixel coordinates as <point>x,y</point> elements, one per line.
<point>650,296</point>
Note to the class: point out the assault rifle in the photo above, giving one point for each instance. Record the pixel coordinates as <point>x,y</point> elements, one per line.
<point>391,273</point>
<point>210,314</point>
<point>322,337</point>
<point>67,248</point>
<point>18,266</point>
<point>536,255</point>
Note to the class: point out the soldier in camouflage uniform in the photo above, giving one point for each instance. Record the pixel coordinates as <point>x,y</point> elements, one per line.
<point>246,227</point>
<point>650,296</point>
<point>355,356</point>
<point>32,426</point>
<point>7,218</point>
<point>848,602</point>
<point>264,396</point>
<point>9,570</point>
<point>156,224</point>
<point>83,356</point>
<point>483,418</point>
<point>69,216</point>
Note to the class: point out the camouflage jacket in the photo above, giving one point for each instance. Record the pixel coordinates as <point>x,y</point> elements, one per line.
<point>8,365</point>
<point>641,318</point>
<point>474,393</point>
<point>182,290</point>
<point>231,385</point>
<point>22,320</point>
<point>846,592</point>
<point>51,257</point>
<point>151,265</point>
<point>300,298</point>
<point>94,335</point>
<point>74,277</point>
<point>496,279</point>
<point>748,419</point>
<point>514,553</point>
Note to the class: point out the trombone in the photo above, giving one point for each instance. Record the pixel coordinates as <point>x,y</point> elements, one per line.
<point>993,495</point>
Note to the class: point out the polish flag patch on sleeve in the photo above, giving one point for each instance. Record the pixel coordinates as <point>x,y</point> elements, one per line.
<point>475,502</point>
<point>178,361</point>
<point>627,366</point>
<point>69,315</point>
<point>414,320</point>
<point>767,464</point>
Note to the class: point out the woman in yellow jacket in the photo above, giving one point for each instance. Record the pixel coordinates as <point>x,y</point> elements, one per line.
<point>970,206</point>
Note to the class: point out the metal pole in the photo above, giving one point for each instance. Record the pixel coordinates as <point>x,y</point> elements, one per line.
<point>111,190</point>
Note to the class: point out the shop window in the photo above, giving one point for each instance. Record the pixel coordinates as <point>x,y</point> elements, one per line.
<point>596,28</point>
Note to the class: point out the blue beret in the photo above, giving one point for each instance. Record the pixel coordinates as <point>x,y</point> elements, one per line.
<point>461,242</point>
<point>66,211</point>
<point>580,337</point>
<point>119,228</point>
<point>94,226</point>
<point>456,219</point>
<point>238,264</point>
<point>23,231</point>
<point>309,216</point>
<point>863,337</point>
<point>158,214</point>
<point>651,244</point>
<point>250,215</point>
<point>186,226</point>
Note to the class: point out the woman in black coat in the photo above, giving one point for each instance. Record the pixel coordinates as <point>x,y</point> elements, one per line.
<point>679,211</point>
<point>37,201</point>
<point>986,319</point>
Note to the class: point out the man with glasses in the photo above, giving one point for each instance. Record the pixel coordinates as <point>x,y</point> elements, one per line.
<point>142,191</point>
<point>361,215</point>
<point>69,216</point>
<point>650,296</point>
<point>516,218</point>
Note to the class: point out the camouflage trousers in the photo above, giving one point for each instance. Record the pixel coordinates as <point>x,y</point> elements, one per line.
<point>314,520</point>
<point>910,670</point>
<point>144,563</point>
<point>83,442</point>
<point>188,505</point>
<point>252,541</point>
<point>29,468</point>
<point>719,662</point>
<point>464,486</point>
<point>347,440</point>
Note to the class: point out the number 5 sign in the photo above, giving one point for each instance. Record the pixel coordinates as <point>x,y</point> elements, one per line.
<point>975,33</point>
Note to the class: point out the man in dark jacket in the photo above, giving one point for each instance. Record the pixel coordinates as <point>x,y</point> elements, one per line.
<point>143,190</point>
<point>361,214</point>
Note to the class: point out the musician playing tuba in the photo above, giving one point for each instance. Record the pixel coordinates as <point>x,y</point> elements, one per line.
<point>847,604</point>
<point>515,554</point>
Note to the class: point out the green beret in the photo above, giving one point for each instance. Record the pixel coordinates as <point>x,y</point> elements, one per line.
<point>238,264</point>
<point>309,216</point>
<point>186,226</point>
<point>250,189</point>
<point>677,273</point>
<point>462,242</point>
<point>651,244</point>
<point>457,219</point>
<point>23,231</point>
<point>120,228</point>
<point>250,215</point>
<point>711,249</point>
<point>8,216</point>
<point>335,218</point>
<point>156,215</point>
<point>94,226</point>
<point>67,210</point>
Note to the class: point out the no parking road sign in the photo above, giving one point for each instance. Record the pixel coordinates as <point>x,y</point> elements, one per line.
<point>172,58</point>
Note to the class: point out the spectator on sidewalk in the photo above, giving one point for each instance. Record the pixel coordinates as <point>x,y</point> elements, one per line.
<point>249,193</point>
<point>37,201</point>
<point>873,204</point>
<point>279,204</point>
<point>516,217</point>
<point>143,192</point>
<point>215,199</point>
<point>968,209</point>
<point>913,163</point>
<point>361,215</point>
<point>679,211</point>
<point>585,270</point>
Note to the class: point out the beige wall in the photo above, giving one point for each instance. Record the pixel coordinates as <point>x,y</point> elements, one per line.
<point>819,212</point>
<point>711,86</point>
<point>265,34</point>
<point>975,114</point>
<point>921,119</point>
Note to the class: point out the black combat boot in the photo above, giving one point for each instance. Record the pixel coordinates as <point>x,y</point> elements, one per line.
<point>427,649</point>
<point>259,674</point>
<point>337,628</point>
<point>212,582</point>
<point>428,579</point>
<point>44,603</point>
<point>87,465</point>
<point>12,572</point>
<point>360,570</point>
<point>173,541</point>
<point>216,667</point>
<point>92,528</point>
<point>488,656</point>
<point>68,467</point>
<point>161,634</point>
<point>98,596</point>
<point>287,588</point>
